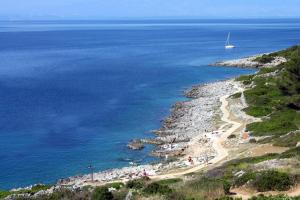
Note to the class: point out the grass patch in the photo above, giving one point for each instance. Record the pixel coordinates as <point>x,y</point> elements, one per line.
<point>169,181</point>
<point>203,188</point>
<point>289,140</point>
<point>258,111</point>
<point>280,123</point>
<point>276,197</point>
<point>291,153</point>
<point>4,194</point>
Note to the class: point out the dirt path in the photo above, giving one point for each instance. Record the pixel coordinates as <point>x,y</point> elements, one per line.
<point>222,152</point>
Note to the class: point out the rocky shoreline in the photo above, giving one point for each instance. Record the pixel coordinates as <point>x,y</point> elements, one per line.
<point>189,119</point>
<point>250,62</point>
<point>192,122</point>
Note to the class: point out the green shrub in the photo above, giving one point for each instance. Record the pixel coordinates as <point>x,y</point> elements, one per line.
<point>102,193</point>
<point>245,79</point>
<point>136,184</point>
<point>242,180</point>
<point>226,187</point>
<point>264,59</point>
<point>272,180</point>
<point>155,188</point>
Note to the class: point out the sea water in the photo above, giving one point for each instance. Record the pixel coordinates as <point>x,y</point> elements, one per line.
<point>73,93</point>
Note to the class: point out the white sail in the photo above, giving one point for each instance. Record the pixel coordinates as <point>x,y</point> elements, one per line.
<point>227,44</point>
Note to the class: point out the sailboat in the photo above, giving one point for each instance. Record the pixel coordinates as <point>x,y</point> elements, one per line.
<point>227,44</point>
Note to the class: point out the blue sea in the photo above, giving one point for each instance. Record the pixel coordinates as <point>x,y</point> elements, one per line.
<point>73,93</point>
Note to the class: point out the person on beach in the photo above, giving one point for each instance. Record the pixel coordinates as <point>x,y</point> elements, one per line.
<point>190,160</point>
<point>144,173</point>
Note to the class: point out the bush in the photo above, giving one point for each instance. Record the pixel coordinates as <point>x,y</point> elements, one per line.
<point>264,59</point>
<point>136,184</point>
<point>155,188</point>
<point>273,180</point>
<point>231,136</point>
<point>102,193</point>
<point>226,187</point>
<point>242,180</point>
<point>245,79</point>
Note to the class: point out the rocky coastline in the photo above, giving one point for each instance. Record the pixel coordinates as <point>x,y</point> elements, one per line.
<point>250,62</point>
<point>189,119</point>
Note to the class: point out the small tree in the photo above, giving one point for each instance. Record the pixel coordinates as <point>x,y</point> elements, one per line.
<point>102,193</point>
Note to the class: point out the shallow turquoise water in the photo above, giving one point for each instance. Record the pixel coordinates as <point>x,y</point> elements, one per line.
<point>74,93</point>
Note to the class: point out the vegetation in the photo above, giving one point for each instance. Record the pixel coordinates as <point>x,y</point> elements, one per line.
<point>276,98</point>
<point>273,180</point>
<point>102,193</point>
<point>236,95</point>
<point>277,197</point>
<point>116,185</point>
<point>156,188</point>
<point>266,58</point>
<point>137,183</point>
<point>169,181</point>
<point>33,190</point>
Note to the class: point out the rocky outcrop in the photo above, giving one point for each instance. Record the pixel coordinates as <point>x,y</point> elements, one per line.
<point>136,145</point>
<point>250,62</point>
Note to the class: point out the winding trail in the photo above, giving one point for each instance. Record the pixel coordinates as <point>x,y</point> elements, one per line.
<point>222,152</point>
